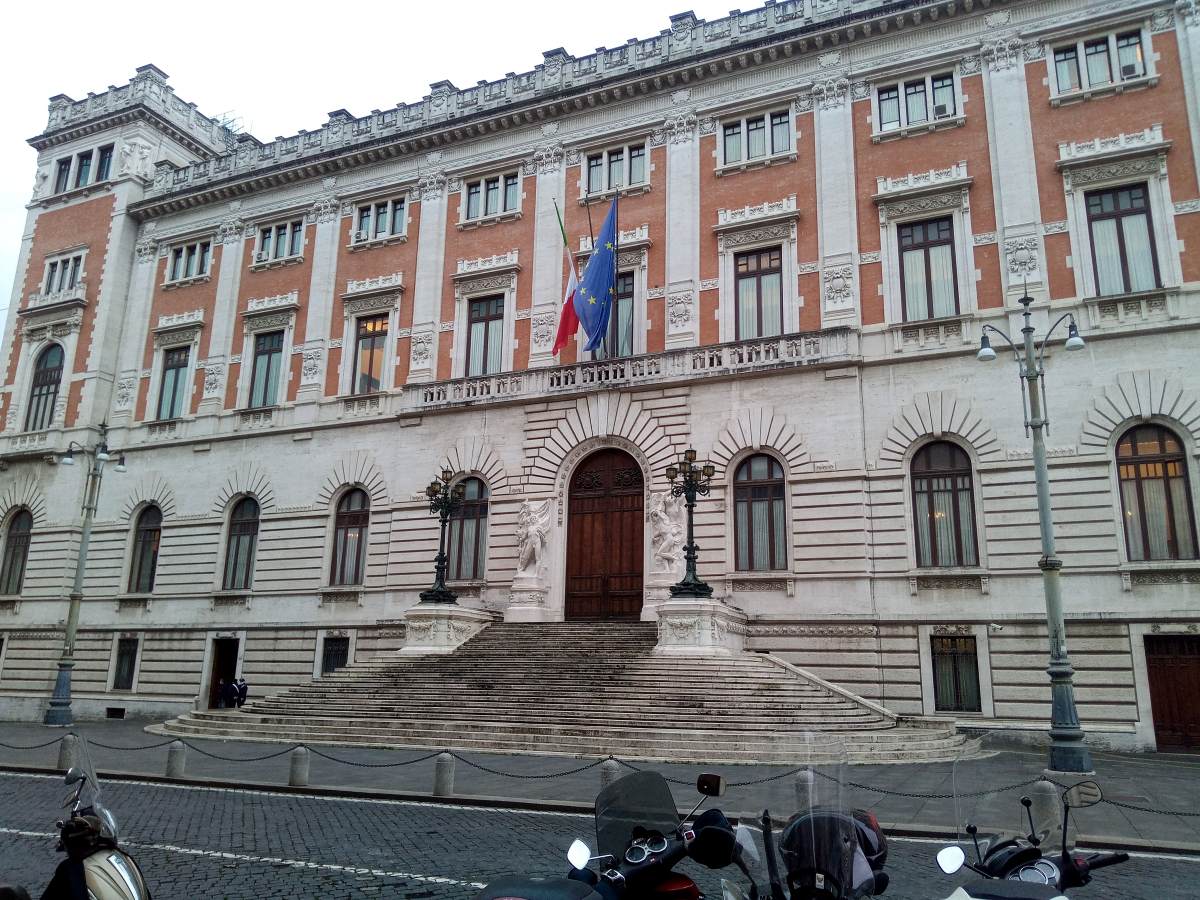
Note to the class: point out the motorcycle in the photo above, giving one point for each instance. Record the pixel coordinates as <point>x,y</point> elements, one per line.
<point>1014,863</point>
<point>829,852</point>
<point>640,838</point>
<point>96,868</point>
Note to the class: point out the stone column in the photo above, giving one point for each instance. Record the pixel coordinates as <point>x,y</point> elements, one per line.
<point>137,326</point>
<point>680,136</point>
<point>1187,31</point>
<point>428,284</point>
<point>836,194</point>
<point>547,273</point>
<point>322,290</point>
<point>223,340</point>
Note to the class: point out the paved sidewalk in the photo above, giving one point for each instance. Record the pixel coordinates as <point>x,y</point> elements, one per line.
<point>1164,783</point>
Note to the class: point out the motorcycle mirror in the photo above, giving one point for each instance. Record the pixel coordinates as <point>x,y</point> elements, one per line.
<point>578,854</point>
<point>1086,793</point>
<point>710,785</point>
<point>951,859</point>
<point>74,775</point>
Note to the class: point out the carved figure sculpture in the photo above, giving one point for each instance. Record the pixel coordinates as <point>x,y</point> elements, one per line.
<point>533,529</point>
<point>666,532</point>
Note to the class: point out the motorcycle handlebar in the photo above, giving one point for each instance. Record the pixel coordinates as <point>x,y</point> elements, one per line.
<point>1100,860</point>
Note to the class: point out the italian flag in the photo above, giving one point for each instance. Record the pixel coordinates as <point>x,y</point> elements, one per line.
<point>568,319</point>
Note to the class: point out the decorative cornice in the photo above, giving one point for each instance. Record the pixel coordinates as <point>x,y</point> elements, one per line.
<point>925,203</point>
<point>916,183</point>
<point>769,211</point>
<point>1080,153</point>
<point>486,265</point>
<point>269,304</point>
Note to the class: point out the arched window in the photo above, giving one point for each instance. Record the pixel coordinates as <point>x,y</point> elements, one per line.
<point>47,373</point>
<point>468,533</point>
<point>1155,498</point>
<point>759,520</point>
<point>350,538</point>
<point>16,553</point>
<point>943,506</point>
<point>239,551</point>
<point>147,533</point>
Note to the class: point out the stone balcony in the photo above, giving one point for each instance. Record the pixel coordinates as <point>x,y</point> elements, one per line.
<point>41,302</point>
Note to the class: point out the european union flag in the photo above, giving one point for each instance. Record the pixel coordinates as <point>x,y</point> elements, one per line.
<point>594,296</point>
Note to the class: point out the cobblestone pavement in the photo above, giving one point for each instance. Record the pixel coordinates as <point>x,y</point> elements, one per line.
<point>201,842</point>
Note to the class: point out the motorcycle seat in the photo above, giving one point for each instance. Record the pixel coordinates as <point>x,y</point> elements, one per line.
<point>520,888</point>
<point>994,889</point>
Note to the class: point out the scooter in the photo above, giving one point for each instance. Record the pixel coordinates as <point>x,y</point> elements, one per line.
<point>96,868</point>
<point>641,838</point>
<point>829,854</point>
<point>1015,867</point>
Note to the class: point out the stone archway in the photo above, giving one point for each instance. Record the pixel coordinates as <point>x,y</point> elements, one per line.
<point>605,553</point>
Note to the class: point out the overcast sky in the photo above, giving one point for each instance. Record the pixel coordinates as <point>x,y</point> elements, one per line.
<point>281,68</point>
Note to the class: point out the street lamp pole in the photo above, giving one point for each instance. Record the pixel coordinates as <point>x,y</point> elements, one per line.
<point>59,710</point>
<point>443,501</point>
<point>693,481</point>
<point>1067,750</point>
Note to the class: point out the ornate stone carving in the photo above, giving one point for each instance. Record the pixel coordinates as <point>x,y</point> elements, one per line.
<point>372,303</point>
<point>666,533</point>
<point>1002,53</point>
<point>953,629</point>
<point>546,160</point>
<point>1166,578</point>
<point>1116,171</point>
<point>125,391</point>
<point>269,320</point>
<point>431,187</point>
<point>813,630</point>
<point>177,337</point>
<point>838,289</point>
<point>781,231</point>
<point>929,203</point>
<point>1183,207</point>
<point>542,328</point>
<point>1058,227</point>
<point>948,582</point>
<point>533,530</point>
<point>678,128</point>
<point>325,209</point>
<point>1189,12</point>
<point>830,93</point>
<point>263,304</point>
<point>768,209</point>
<point>146,250</point>
<point>679,309</point>
<point>969,65</point>
<point>214,379</point>
<point>1022,255</point>
<point>1035,51</point>
<point>422,348</point>
<point>759,586</point>
<point>310,365</point>
<point>135,160</point>
<point>869,257</point>
<point>230,230</point>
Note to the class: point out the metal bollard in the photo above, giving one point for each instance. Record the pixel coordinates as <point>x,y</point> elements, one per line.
<point>68,752</point>
<point>298,776</point>
<point>176,760</point>
<point>1046,808</point>
<point>804,790</point>
<point>610,771</point>
<point>443,775</point>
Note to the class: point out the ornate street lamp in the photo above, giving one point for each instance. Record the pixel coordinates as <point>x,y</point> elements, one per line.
<point>689,481</point>
<point>443,501</point>
<point>59,711</point>
<point>1067,751</point>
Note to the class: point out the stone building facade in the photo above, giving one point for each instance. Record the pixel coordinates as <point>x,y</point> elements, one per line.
<point>821,204</point>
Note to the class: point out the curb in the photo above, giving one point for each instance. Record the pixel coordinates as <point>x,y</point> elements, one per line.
<point>482,801</point>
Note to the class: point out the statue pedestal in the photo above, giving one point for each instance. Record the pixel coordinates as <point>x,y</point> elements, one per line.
<point>438,628</point>
<point>527,601</point>
<point>688,627</point>
<point>657,591</point>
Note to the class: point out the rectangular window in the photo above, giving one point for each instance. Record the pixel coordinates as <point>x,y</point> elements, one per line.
<point>619,340</point>
<point>379,221</point>
<point>924,100</point>
<point>1066,69</point>
<point>756,137</point>
<point>616,168</point>
<point>955,674</point>
<point>268,360</point>
<point>368,354</point>
<point>174,383</point>
<point>62,176</point>
<point>83,169</point>
<point>335,653</point>
<point>127,652</point>
<point>284,241</point>
<point>1098,69</point>
<point>759,293</point>
<point>63,274</point>
<point>493,196</point>
<point>189,261</point>
<point>1129,55</point>
<point>104,163</point>
<point>485,332</point>
<point>928,282</point>
<point>1123,253</point>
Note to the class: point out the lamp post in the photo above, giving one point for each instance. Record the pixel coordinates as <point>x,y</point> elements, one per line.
<point>1067,751</point>
<point>690,481</point>
<point>443,501</point>
<point>59,711</point>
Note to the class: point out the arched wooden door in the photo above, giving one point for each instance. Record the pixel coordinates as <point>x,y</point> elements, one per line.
<point>604,538</point>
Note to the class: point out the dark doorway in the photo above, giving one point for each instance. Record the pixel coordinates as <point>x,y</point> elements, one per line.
<point>604,538</point>
<point>224,667</point>
<point>1173,667</point>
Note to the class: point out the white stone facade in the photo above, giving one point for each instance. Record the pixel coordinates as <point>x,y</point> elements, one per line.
<point>841,401</point>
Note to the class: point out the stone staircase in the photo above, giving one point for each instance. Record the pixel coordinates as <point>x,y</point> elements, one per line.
<point>577,689</point>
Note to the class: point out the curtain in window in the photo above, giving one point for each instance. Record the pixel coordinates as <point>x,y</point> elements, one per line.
<point>47,375</point>
<point>915,302</point>
<point>941,271</point>
<point>468,533</point>
<point>239,550</point>
<point>760,533</point>
<point>1108,256</point>
<point>747,308</point>
<point>756,138</point>
<point>494,342</point>
<point>478,347</point>
<point>1139,253</point>
<point>16,553</point>
<point>1155,498</point>
<point>147,536</point>
<point>350,538</point>
<point>771,286</point>
<point>943,506</point>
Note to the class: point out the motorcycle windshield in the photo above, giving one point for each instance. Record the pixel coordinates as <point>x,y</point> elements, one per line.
<point>819,844</point>
<point>90,803</point>
<point>639,800</point>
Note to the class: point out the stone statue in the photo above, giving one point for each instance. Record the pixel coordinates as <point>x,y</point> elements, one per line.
<point>666,532</point>
<point>533,529</point>
<point>135,159</point>
<point>39,181</point>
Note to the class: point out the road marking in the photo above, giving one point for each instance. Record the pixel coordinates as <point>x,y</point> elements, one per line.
<point>267,860</point>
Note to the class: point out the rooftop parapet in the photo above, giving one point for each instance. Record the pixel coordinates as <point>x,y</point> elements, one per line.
<point>688,38</point>
<point>148,88</point>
